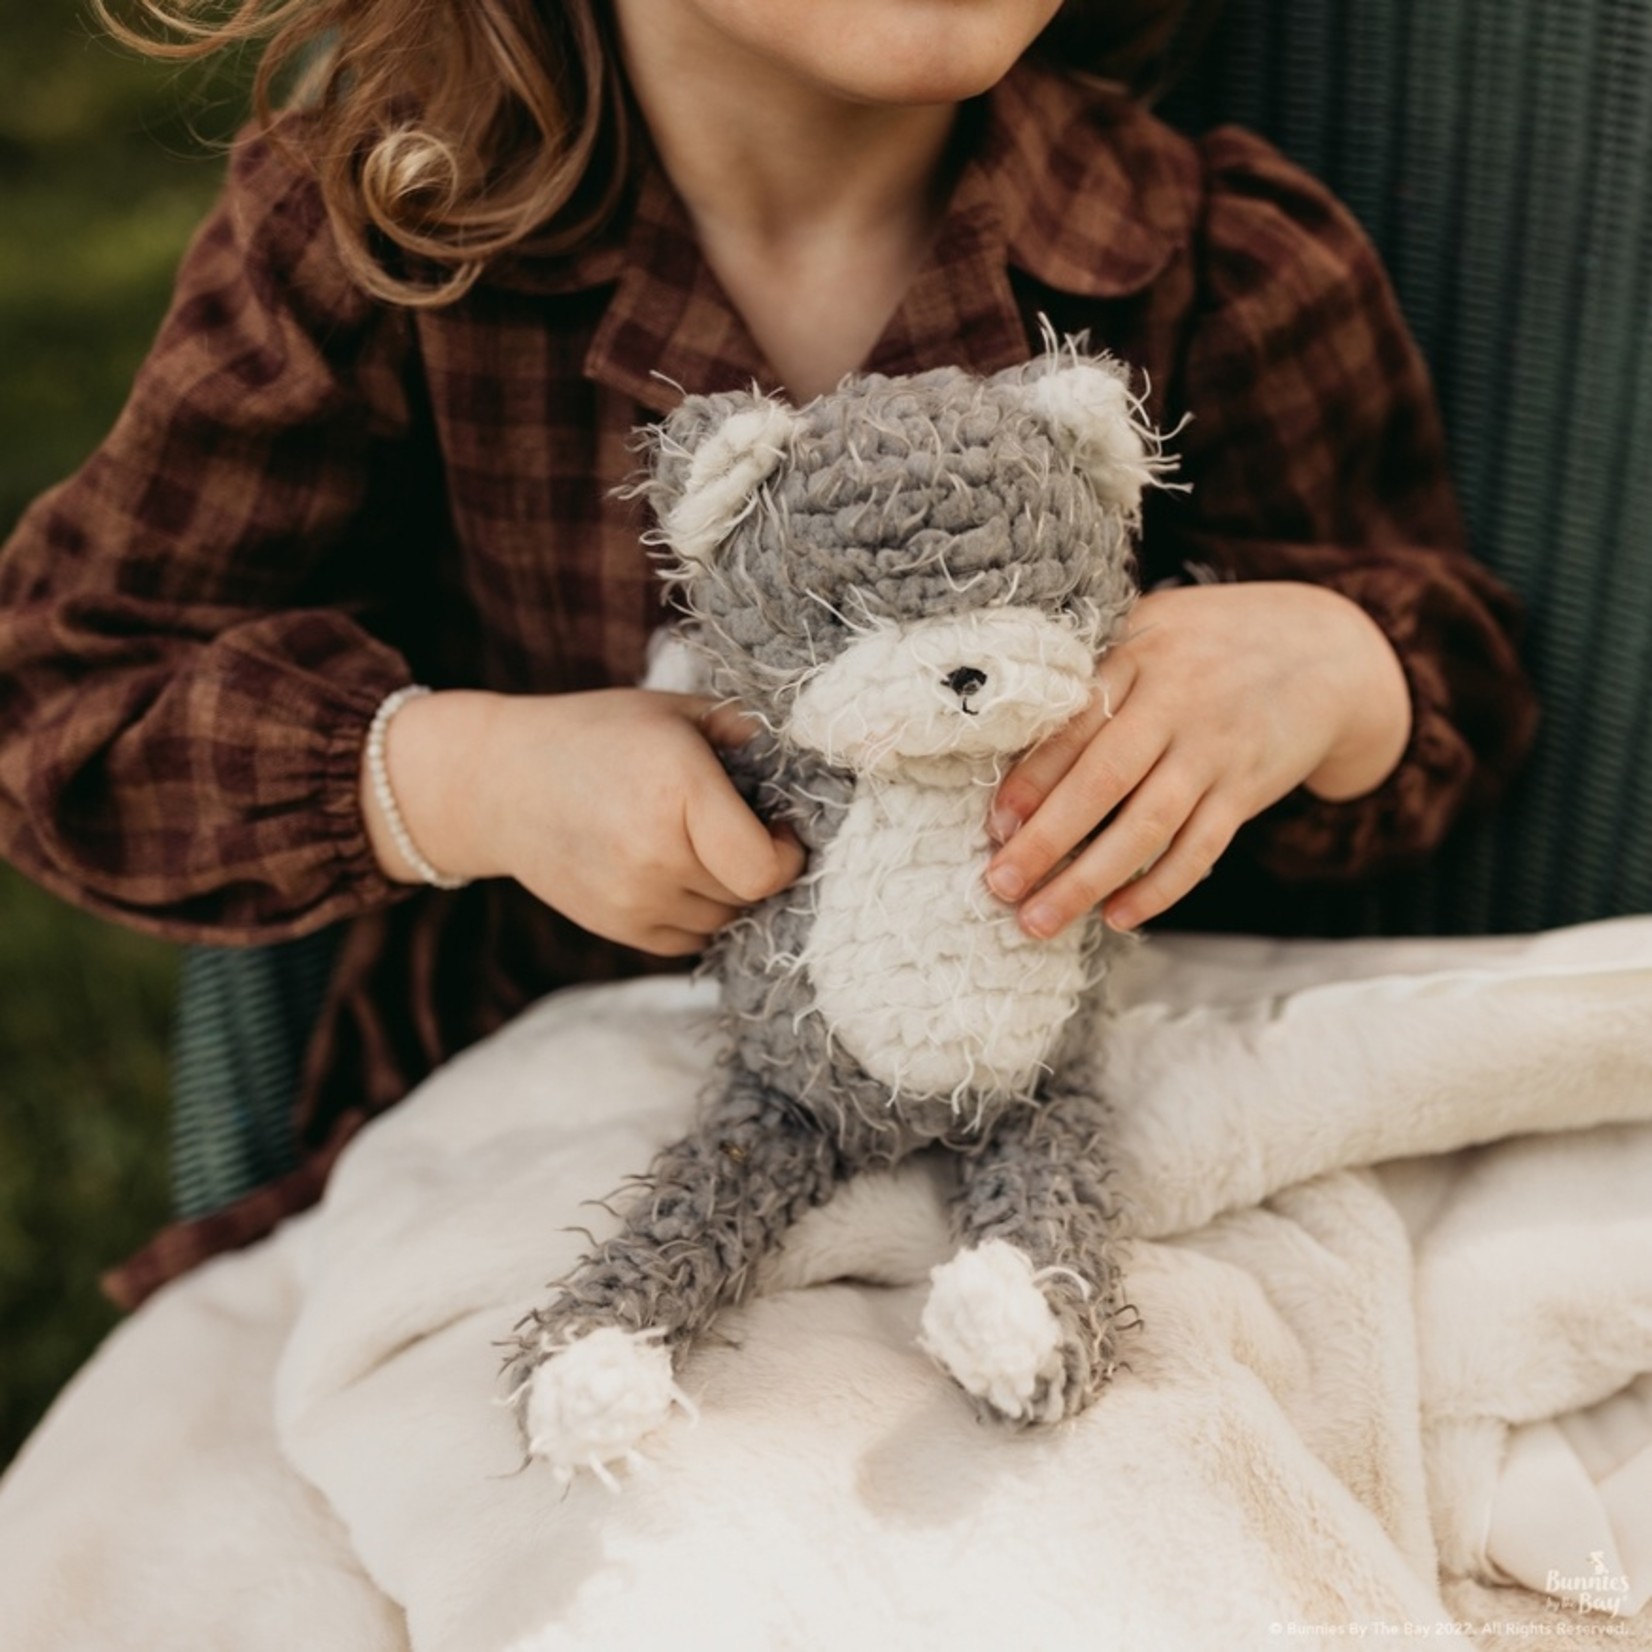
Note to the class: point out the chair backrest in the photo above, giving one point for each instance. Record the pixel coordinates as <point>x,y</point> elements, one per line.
<point>1499,152</point>
<point>243,1022</point>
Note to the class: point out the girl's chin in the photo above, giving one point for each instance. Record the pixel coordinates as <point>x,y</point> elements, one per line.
<point>890,51</point>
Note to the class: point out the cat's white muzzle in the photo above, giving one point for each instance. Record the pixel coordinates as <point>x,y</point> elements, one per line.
<point>972,686</point>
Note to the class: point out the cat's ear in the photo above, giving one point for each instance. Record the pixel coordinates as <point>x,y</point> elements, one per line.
<point>1087,404</point>
<point>709,461</point>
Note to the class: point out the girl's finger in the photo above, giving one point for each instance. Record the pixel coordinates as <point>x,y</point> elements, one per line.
<point>1026,786</point>
<point>1143,831</point>
<point>1198,846</point>
<point>1106,772</point>
<point>698,913</point>
<point>664,941</point>
<point>725,724</point>
<point>743,859</point>
<point>722,722</point>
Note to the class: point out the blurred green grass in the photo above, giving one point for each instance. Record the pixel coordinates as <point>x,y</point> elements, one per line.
<point>106,164</point>
<point>84,1011</point>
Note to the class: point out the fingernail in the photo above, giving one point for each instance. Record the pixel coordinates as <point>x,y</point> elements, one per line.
<point>1040,920</point>
<point>1003,824</point>
<point>1006,883</point>
<point>1120,918</point>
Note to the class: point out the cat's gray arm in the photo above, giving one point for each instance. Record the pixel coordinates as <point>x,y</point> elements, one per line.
<point>782,783</point>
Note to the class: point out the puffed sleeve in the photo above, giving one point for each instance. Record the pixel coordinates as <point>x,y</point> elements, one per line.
<point>1315,452</point>
<point>186,668</point>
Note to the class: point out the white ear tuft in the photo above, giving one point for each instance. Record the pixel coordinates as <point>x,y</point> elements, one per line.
<point>724,475</point>
<point>1089,407</point>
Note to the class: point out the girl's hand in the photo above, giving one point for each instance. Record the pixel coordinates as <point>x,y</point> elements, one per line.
<point>1222,699</point>
<point>610,806</point>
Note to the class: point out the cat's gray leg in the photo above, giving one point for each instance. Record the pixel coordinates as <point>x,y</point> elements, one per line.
<point>592,1368</point>
<point>1027,1316</point>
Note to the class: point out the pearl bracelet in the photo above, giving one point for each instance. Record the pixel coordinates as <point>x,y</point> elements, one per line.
<point>378,775</point>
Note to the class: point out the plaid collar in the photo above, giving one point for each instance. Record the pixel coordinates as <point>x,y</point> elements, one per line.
<point>1063,185</point>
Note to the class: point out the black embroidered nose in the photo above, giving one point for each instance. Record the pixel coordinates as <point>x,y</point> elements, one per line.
<point>965,681</point>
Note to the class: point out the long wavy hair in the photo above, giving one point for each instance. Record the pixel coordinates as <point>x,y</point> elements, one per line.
<point>446,133</point>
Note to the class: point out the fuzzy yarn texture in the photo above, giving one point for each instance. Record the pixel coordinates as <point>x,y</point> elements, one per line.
<point>602,1394</point>
<point>908,583</point>
<point>987,1323</point>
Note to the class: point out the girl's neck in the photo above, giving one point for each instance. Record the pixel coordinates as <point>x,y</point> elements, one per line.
<point>814,210</point>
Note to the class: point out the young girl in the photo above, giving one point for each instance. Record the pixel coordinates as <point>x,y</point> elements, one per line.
<point>377,442</point>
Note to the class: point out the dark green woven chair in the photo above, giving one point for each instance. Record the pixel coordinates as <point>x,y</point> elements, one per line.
<point>1500,153</point>
<point>244,1018</point>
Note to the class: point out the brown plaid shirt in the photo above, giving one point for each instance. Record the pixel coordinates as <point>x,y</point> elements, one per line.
<point>312,498</point>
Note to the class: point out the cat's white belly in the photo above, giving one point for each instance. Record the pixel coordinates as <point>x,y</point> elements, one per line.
<point>919,972</point>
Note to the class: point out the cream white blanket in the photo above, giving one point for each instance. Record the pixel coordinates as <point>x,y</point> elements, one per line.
<point>1391,1403</point>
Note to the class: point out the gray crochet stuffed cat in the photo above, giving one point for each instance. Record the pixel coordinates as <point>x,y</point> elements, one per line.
<point>908,581</point>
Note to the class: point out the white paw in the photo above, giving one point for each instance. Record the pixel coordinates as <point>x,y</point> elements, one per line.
<point>592,1403</point>
<point>987,1323</point>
